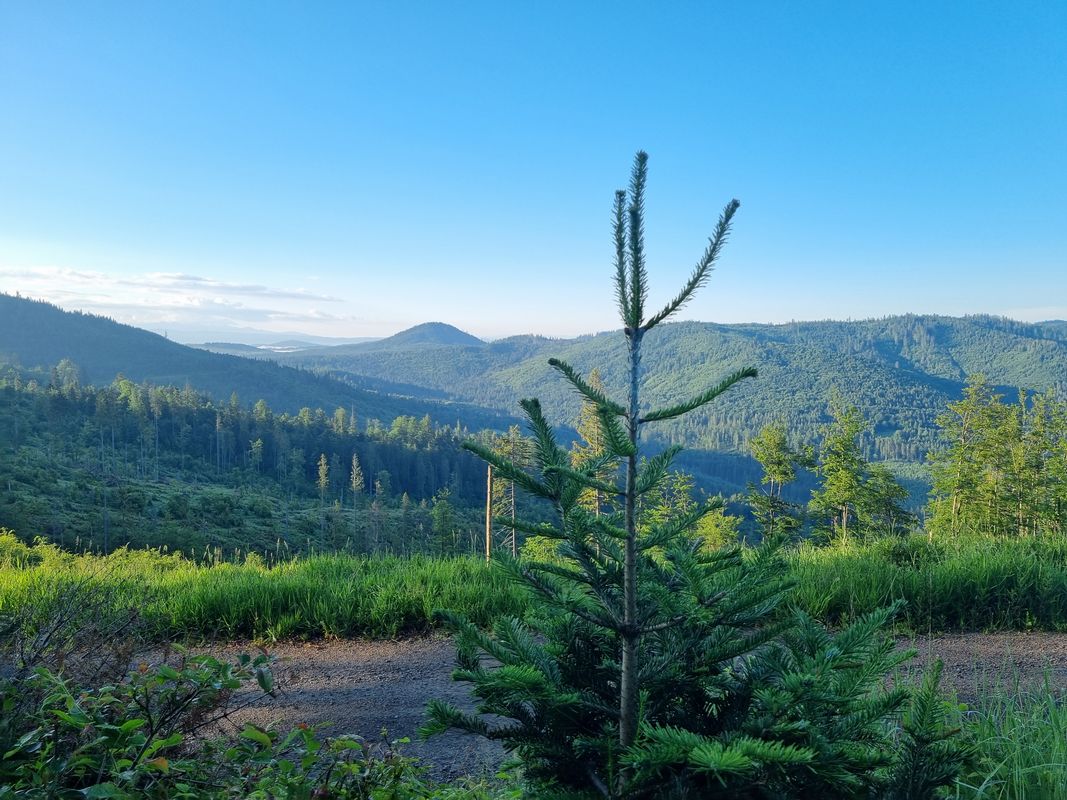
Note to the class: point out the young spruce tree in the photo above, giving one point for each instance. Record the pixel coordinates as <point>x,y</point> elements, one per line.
<point>651,667</point>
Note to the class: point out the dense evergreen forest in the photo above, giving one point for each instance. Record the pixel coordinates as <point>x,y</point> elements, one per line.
<point>95,462</point>
<point>900,371</point>
<point>94,467</point>
<point>127,463</point>
<point>37,334</point>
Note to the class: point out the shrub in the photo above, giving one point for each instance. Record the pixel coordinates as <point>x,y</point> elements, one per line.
<point>136,739</point>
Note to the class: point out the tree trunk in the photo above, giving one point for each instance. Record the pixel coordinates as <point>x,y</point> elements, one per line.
<point>631,636</point>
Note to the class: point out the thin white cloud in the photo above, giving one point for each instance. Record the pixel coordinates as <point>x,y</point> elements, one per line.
<point>169,282</point>
<point>157,299</point>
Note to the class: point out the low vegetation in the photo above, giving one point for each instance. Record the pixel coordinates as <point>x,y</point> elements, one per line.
<point>964,584</point>
<point>1019,744</point>
<point>335,595</point>
<point>968,584</point>
<point>147,734</point>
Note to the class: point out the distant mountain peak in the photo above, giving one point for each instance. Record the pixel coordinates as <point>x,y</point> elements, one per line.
<point>431,333</point>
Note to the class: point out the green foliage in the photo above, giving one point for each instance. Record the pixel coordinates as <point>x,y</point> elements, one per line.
<point>651,666</point>
<point>964,583</point>
<point>901,371</point>
<point>137,738</point>
<point>930,754</point>
<point>1003,469</point>
<point>339,595</point>
<point>1019,740</point>
<point>967,584</point>
<point>114,741</point>
<point>851,491</point>
<point>97,468</point>
<point>815,720</point>
<point>14,553</point>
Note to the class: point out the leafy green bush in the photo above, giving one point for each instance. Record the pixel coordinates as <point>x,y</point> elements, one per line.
<point>137,738</point>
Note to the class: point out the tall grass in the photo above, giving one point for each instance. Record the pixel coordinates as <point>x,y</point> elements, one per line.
<point>332,596</point>
<point>969,584</point>
<point>1020,742</point>
<point>976,584</point>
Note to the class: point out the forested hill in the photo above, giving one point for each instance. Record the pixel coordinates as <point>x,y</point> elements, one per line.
<point>900,371</point>
<point>35,334</point>
<point>428,334</point>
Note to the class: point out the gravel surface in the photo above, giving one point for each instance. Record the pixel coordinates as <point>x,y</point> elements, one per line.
<point>976,663</point>
<point>363,687</point>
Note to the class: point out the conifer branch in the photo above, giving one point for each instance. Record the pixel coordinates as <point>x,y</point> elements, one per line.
<point>597,465</point>
<point>707,602</point>
<point>616,440</point>
<point>609,530</point>
<point>636,213</point>
<point>621,287</point>
<point>598,587</point>
<point>600,563</point>
<point>529,528</point>
<point>661,535</point>
<point>699,400</point>
<point>550,593</point>
<point>508,471</point>
<point>655,468</point>
<point>598,398</point>
<point>546,451</point>
<point>443,716</point>
<point>703,269</point>
<point>585,479</point>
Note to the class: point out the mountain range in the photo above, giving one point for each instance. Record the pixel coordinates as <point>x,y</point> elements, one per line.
<point>37,335</point>
<point>900,371</point>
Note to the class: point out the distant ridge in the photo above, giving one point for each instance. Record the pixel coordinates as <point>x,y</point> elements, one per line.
<point>900,371</point>
<point>428,334</point>
<point>36,334</point>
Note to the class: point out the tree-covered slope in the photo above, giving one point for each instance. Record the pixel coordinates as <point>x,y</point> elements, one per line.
<point>900,371</point>
<point>126,463</point>
<point>428,334</point>
<point>36,334</point>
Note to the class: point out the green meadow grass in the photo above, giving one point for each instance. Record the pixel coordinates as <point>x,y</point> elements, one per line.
<point>1020,742</point>
<point>974,584</point>
<point>977,584</point>
<point>329,595</point>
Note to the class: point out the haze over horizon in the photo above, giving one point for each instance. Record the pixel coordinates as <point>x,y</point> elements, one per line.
<point>358,170</point>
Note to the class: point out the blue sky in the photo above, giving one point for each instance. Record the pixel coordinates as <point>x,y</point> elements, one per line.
<point>352,169</point>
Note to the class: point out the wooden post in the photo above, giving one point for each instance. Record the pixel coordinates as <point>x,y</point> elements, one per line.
<point>488,513</point>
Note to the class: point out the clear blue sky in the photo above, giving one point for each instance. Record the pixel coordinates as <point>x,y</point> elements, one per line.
<point>351,169</point>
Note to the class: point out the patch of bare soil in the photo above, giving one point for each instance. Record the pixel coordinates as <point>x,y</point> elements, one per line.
<point>363,687</point>
<point>978,663</point>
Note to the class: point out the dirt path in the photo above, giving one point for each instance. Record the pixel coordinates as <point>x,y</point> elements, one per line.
<point>365,686</point>
<point>975,663</point>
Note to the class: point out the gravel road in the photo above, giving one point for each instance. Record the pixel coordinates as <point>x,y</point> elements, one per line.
<point>364,686</point>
